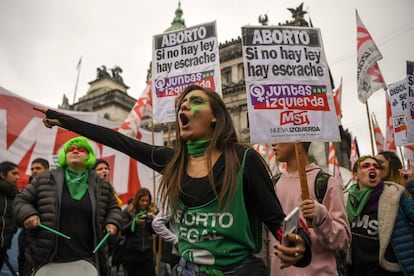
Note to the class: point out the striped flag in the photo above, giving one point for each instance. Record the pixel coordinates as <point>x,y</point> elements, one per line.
<point>268,155</point>
<point>389,134</point>
<point>334,168</point>
<point>141,109</point>
<point>131,127</point>
<point>369,77</point>
<point>378,136</point>
<point>337,96</point>
<point>409,154</point>
<point>354,155</point>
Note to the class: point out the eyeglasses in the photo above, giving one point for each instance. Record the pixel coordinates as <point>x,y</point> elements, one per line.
<point>369,165</point>
<point>78,149</point>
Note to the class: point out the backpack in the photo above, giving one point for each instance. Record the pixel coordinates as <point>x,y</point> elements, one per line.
<point>321,184</point>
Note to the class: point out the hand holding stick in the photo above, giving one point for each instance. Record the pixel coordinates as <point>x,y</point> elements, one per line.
<point>53,231</point>
<point>101,242</point>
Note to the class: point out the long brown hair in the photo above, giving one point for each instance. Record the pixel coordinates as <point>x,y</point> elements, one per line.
<point>394,165</point>
<point>224,139</point>
<point>135,202</point>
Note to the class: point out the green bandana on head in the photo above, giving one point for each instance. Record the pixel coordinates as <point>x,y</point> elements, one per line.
<point>197,148</point>
<point>77,183</point>
<point>357,199</point>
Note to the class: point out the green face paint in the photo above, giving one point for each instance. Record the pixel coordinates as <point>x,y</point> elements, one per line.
<point>197,103</point>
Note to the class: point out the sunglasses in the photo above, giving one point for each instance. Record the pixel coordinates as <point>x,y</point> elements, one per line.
<point>369,165</point>
<point>78,149</point>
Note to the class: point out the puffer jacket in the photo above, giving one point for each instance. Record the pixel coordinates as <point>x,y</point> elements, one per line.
<point>7,226</point>
<point>403,235</point>
<point>42,197</point>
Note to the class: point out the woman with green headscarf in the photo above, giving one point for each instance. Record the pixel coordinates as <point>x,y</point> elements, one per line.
<point>372,206</point>
<point>73,200</point>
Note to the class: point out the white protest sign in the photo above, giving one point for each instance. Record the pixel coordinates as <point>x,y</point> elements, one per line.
<point>180,58</point>
<point>287,85</point>
<point>398,92</point>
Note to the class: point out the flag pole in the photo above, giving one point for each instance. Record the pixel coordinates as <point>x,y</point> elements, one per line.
<point>370,128</point>
<point>78,67</point>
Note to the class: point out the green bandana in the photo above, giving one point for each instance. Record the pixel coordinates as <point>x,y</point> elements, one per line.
<point>134,220</point>
<point>76,182</point>
<point>197,148</point>
<point>357,199</point>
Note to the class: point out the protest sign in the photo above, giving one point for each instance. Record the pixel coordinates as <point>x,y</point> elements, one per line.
<point>288,89</point>
<point>180,58</point>
<point>398,92</point>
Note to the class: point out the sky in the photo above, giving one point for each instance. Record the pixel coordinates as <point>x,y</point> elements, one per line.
<point>43,40</point>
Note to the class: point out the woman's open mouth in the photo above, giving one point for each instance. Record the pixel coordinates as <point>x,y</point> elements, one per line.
<point>183,119</point>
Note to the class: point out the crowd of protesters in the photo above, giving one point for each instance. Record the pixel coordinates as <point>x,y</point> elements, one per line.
<point>216,195</point>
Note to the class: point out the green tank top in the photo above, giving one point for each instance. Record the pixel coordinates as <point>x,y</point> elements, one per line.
<point>218,238</point>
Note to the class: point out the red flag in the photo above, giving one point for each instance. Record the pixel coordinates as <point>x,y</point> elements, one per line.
<point>142,108</point>
<point>379,137</point>
<point>354,153</point>
<point>389,134</point>
<point>132,128</point>
<point>268,155</point>
<point>409,154</point>
<point>334,167</point>
<point>369,77</point>
<point>337,96</point>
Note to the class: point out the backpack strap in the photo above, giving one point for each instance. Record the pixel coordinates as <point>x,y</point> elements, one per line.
<point>321,184</point>
<point>276,178</point>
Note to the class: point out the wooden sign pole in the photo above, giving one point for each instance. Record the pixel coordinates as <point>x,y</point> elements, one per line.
<point>300,155</point>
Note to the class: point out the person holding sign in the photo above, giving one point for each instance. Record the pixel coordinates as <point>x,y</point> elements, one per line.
<point>71,201</point>
<point>330,230</point>
<point>219,191</point>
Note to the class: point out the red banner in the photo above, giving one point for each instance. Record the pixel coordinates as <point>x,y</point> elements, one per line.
<point>24,138</point>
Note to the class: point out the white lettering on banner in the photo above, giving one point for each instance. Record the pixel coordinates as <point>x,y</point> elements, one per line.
<point>185,36</point>
<point>291,37</point>
<point>295,118</point>
<point>283,103</point>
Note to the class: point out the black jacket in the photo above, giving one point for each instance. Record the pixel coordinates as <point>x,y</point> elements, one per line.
<point>42,197</point>
<point>139,242</point>
<point>7,226</point>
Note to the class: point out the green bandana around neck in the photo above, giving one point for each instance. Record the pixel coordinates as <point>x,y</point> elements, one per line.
<point>197,148</point>
<point>357,199</point>
<point>76,182</point>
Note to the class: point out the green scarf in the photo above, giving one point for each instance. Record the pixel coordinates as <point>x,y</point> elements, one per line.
<point>77,183</point>
<point>197,148</point>
<point>357,199</point>
<point>134,220</point>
